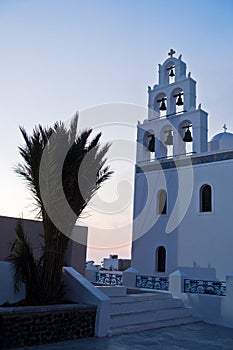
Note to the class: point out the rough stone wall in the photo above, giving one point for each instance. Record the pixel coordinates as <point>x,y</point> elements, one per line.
<point>29,326</point>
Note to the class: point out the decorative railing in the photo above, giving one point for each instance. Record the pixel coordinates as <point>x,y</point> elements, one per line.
<point>152,282</point>
<point>205,287</point>
<point>107,278</point>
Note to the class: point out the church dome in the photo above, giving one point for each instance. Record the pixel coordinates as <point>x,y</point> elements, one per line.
<point>221,142</point>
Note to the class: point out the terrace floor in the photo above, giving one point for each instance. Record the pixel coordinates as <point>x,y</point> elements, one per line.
<point>191,336</point>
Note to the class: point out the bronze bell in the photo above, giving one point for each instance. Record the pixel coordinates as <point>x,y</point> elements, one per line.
<point>151,144</point>
<point>179,101</point>
<point>187,136</point>
<point>169,140</point>
<point>163,105</point>
<point>171,74</point>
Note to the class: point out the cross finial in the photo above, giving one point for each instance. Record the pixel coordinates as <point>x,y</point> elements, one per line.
<point>224,127</point>
<point>171,52</point>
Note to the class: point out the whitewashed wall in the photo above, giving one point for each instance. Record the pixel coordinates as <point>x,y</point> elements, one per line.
<point>202,240</point>
<point>7,293</point>
<point>206,239</point>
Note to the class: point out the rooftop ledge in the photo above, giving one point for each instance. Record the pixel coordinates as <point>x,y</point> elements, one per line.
<point>183,160</point>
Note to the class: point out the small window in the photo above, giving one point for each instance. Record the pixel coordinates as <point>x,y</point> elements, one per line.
<point>161,259</point>
<point>205,198</point>
<point>162,202</point>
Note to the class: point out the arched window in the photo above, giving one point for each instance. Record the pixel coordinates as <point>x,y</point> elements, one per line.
<point>205,198</point>
<point>161,259</point>
<point>162,202</point>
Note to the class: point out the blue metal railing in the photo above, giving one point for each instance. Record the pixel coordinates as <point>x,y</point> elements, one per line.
<point>205,287</point>
<point>152,282</point>
<point>108,278</point>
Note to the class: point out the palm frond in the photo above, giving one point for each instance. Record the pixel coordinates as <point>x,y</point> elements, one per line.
<point>83,172</point>
<point>25,266</point>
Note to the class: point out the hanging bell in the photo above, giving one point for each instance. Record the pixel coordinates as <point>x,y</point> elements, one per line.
<point>169,140</point>
<point>171,74</point>
<point>163,105</point>
<point>179,101</point>
<point>187,136</point>
<point>151,144</point>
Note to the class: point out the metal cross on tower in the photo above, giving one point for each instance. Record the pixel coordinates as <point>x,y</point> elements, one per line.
<point>171,52</point>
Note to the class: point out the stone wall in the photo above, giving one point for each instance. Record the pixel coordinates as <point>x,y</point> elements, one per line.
<point>34,325</point>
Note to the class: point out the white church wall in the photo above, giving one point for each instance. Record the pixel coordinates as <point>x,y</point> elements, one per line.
<point>199,241</point>
<point>149,226</point>
<point>206,239</point>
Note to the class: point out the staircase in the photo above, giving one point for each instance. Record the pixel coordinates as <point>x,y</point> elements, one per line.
<point>138,312</point>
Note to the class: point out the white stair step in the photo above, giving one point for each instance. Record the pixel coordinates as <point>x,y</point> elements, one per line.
<point>113,291</point>
<point>153,325</point>
<point>141,297</point>
<point>143,306</point>
<point>148,316</point>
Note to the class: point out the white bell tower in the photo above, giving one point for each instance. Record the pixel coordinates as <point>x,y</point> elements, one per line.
<point>175,126</point>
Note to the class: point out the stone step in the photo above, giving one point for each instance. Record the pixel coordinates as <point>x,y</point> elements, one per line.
<point>153,325</point>
<point>146,305</point>
<point>133,318</point>
<point>113,291</point>
<point>131,298</point>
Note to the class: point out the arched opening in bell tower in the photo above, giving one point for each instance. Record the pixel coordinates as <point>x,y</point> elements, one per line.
<point>185,140</point>
<point>170,70</point>
<point>166,137</point>
<point>177,101</point>
<point>160,104</point>
<point>162,202</point>
<point>149,143</point>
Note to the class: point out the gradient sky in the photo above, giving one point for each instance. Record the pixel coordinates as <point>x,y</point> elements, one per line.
<point>62,56</point>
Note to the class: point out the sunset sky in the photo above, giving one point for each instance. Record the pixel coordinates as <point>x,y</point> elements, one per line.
<point>98,57</point>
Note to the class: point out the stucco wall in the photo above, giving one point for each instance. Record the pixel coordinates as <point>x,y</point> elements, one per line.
<point>201,239</point>
<point>76,254</point>
<point>149,227</point>
<point>206,239</point>
<point>7,292</point>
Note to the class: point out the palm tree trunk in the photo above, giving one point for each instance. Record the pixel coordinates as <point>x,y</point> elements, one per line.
<point>55,246</point>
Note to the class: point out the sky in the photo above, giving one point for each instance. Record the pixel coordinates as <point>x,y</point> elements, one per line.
<point>98,57</point>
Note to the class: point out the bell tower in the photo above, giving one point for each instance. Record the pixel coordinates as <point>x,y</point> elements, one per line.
<point>175,126</point>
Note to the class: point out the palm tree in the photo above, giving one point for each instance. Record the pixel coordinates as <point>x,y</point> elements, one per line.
<point>63,170</point>
<point>26,266</point>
